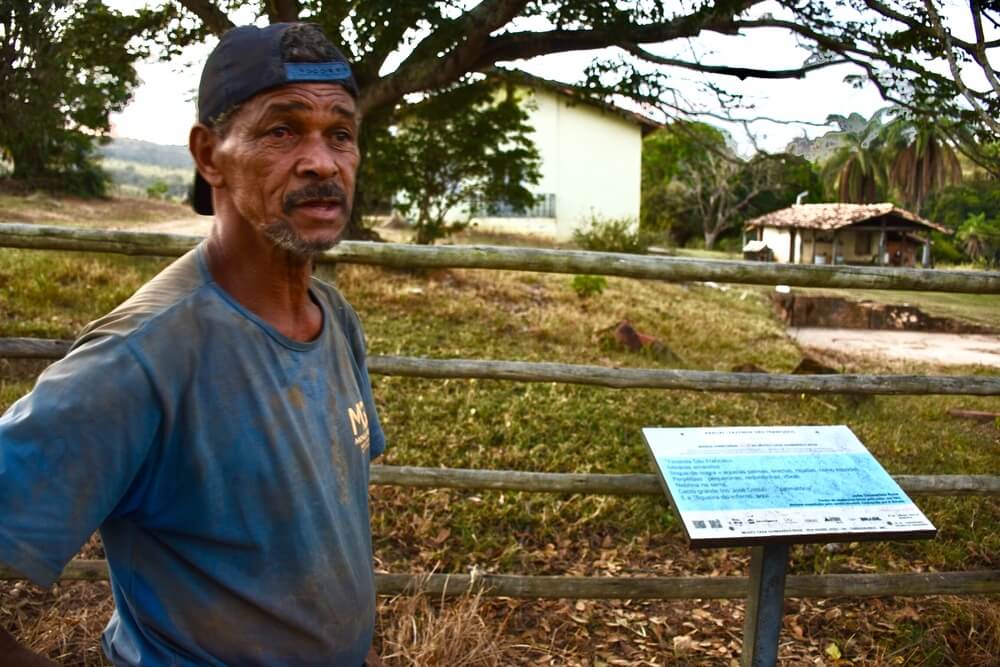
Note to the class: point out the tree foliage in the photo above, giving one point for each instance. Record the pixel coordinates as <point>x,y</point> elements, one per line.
<point>456,150</point>
<point>980,239</point>
<point>924,162</point>
<point>858,172</point>
<point>695,185</point>
<point>953,205</point>
<point>65,65</point>
<point>888,42</point>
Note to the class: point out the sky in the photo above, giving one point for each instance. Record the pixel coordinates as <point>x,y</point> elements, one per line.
<point>163,108</point>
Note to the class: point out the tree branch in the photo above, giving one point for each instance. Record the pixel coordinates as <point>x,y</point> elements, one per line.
<point>740,72</point>
<point>210,14</point>
<point>945,36</point>
<point>423,70</point>
<point>283,11</point>
<point>980,50</point>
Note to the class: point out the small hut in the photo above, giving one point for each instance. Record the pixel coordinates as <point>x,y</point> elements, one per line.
<point>758,251</point>
<point>879,234</point>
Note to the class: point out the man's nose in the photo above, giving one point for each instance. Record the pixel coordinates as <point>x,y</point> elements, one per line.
<point>317,159</point>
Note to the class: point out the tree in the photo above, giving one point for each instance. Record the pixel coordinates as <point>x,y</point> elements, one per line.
<point>980,238</point>
<point>459,148</point>
<point>924,162</point>
<point>664,155</point>
<point>437,43</point>
<point>65,65</point>
<point>858,170</point>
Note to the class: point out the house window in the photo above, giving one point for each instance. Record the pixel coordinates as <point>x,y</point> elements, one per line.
<point>862,243</point>
<point>545,207</point>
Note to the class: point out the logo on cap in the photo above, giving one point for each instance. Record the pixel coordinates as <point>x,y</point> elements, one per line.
<point>331,71</point>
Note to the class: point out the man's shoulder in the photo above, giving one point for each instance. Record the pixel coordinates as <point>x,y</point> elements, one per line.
<point>171,287</point>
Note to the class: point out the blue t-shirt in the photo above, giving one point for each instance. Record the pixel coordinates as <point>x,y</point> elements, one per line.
<point>226,467</point>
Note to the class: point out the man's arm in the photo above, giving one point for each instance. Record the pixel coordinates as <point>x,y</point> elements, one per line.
<point>13,654</point>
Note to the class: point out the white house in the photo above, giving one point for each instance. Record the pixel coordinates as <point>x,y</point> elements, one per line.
<point>591,158</point>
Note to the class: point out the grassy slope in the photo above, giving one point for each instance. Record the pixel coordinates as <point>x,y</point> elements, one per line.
<point>489,424</point>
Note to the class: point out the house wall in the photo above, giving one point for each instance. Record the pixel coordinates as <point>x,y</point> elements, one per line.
<point>778,240</point>
<point>591,160</point>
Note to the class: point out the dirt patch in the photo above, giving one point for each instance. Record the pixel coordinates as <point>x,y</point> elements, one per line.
<point>944,349</point>
<point>802,311</point>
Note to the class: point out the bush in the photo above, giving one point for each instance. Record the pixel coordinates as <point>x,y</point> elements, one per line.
<point>612,235</point>
<point>587,286</point>
<point>944,250</point>
<point>158,190</point>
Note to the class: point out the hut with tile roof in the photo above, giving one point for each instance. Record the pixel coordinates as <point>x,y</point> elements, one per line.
<point>867,234</point>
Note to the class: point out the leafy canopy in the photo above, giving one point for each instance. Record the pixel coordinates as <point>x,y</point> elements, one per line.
<point>67,65</point>
<point>459,150</point>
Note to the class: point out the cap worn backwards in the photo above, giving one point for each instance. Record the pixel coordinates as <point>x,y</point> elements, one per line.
<point>249,60</point>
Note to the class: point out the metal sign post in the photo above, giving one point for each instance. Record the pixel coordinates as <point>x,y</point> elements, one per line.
<point>770,487</point>
<point>765,605</point>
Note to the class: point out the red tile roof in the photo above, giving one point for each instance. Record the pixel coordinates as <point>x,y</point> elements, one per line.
<point>836,216</point>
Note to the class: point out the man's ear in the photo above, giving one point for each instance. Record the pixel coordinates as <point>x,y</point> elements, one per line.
<point>202,142</point>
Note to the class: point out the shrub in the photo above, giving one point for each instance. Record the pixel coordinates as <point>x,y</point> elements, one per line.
<point>158,190</point>
<point>587,286</point>
<point>612,235</point>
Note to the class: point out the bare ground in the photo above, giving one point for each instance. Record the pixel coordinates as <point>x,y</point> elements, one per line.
<point>941,349</point>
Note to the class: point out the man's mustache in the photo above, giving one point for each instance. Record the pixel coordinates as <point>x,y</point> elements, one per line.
<point>327,190</point>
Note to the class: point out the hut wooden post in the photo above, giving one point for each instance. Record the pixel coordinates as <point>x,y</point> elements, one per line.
<point>881,244</point>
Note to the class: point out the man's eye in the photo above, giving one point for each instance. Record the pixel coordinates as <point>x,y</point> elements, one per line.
<point>343,136</point>
<point>279,131</point>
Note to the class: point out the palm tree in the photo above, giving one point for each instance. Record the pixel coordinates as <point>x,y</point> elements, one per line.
<point>858,171</point>
<point>924,162</point>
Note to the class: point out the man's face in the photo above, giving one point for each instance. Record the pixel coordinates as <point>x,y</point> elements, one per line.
<point>289,161</point>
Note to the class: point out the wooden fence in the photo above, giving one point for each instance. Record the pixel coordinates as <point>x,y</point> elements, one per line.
<point>611,264</point>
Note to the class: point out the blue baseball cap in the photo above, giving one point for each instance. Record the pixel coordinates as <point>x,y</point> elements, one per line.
<point>248,61</point>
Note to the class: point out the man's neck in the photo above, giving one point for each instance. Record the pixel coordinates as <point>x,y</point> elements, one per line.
<point>266,280</point>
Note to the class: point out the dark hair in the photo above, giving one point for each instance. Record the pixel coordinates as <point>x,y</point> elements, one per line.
<point>300,43</point>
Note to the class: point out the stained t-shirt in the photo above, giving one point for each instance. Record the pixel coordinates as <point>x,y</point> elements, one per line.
<point>226,466</point>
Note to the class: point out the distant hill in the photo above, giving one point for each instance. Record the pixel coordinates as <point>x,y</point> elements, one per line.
<point>139,167</point>
<point>146,152</point>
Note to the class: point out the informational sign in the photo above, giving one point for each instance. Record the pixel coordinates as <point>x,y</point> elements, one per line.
<point>738,486</point>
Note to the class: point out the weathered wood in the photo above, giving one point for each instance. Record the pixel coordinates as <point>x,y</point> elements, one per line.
<point>33,348</point>
<point>979,582</point>
<point>397,255</point>
<point>624,378</point>
<point>629,484</point>
<point>648,378</point>
<point>514,480</point>
<point>976,415</point>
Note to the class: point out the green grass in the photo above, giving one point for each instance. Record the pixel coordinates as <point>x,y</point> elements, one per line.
<point>565,428</point>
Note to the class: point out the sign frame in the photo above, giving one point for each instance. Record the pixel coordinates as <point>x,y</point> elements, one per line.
<point>653,437</point>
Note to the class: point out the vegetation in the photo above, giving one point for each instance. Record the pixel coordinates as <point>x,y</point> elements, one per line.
<point>502,425</point>
<point>454,152</point>
<point>67,65</point>
<point>72,60</point>
<point>858,170</point>
<point>612,235</point>
<point>587,286</point>
<point>695,185</point>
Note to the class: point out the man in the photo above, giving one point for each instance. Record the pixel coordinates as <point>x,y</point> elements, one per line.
<point>217,427</point>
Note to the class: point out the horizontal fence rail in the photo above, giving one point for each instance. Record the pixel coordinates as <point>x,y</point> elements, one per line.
<point>397,255</point>
<point>980,582</point>
<point>629,484</point>
<point>621,378</point>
